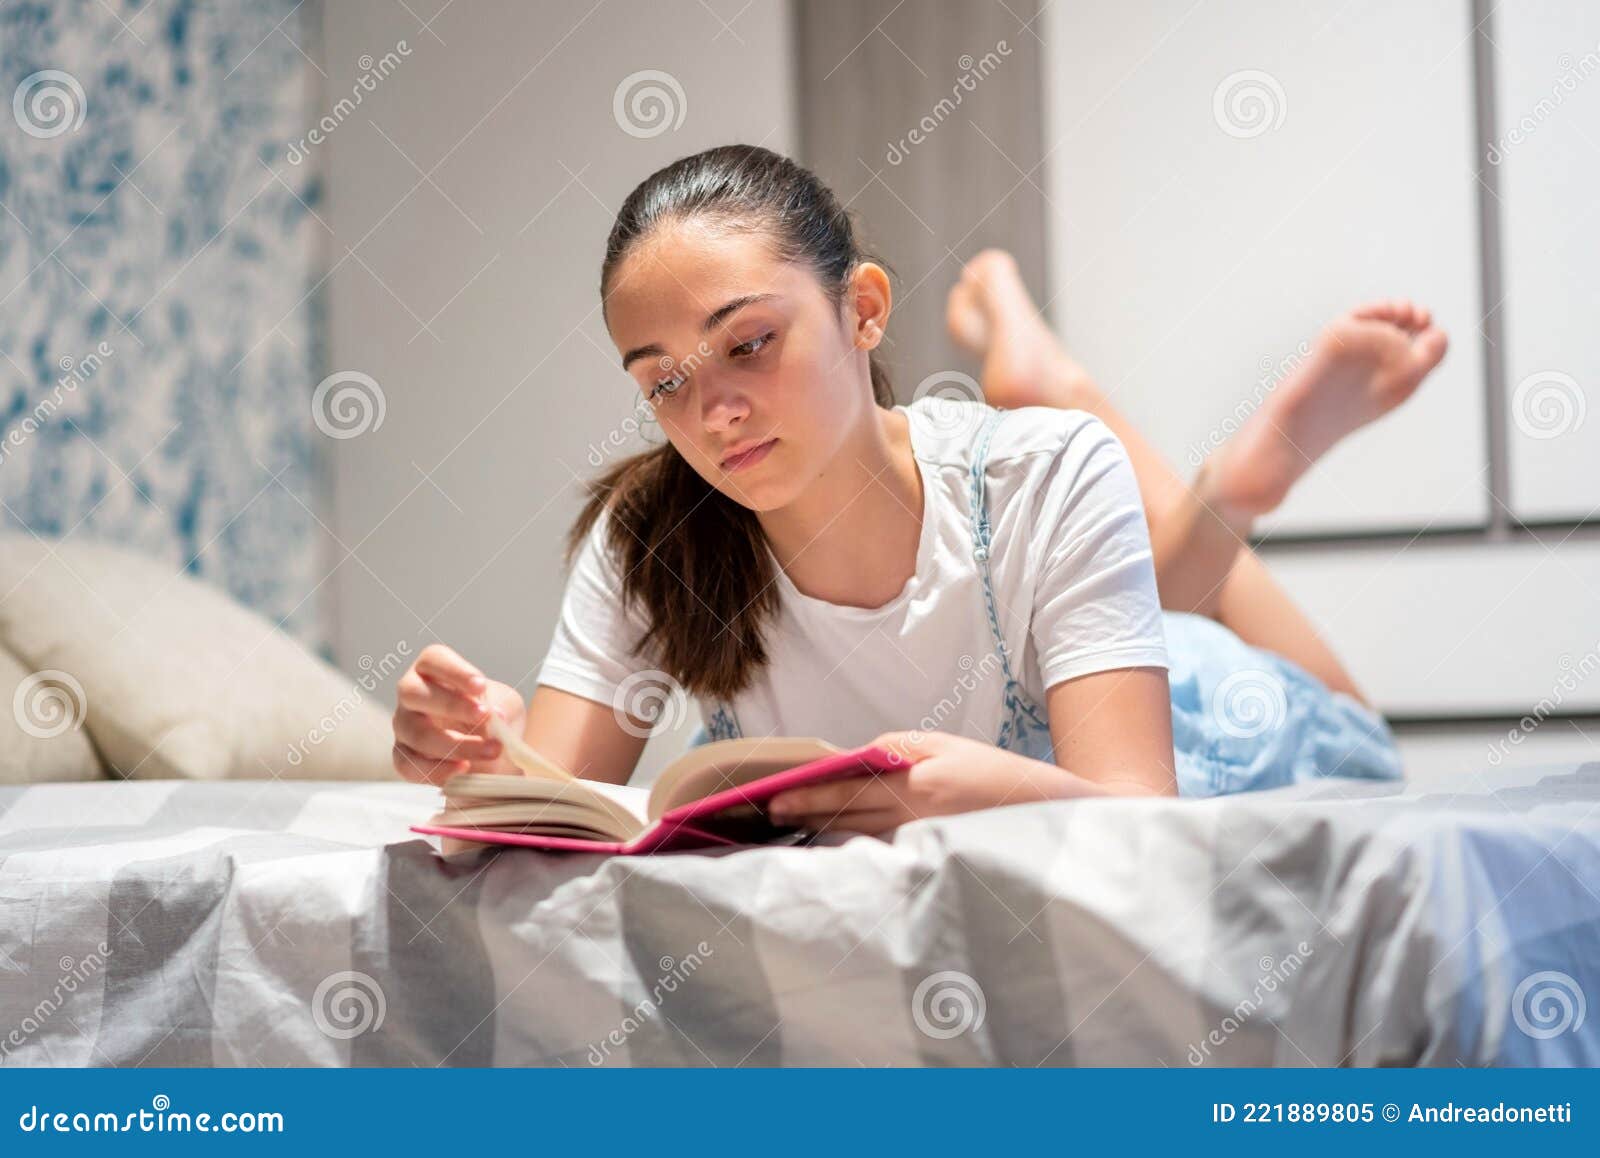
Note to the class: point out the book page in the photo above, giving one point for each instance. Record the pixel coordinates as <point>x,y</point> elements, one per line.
<point>525,803</point>
<point>730,763</point>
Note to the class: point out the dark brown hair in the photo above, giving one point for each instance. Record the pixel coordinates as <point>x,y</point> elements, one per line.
<point>693,560</point>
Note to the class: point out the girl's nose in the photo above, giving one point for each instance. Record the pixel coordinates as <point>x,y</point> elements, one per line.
<point>721,407</point>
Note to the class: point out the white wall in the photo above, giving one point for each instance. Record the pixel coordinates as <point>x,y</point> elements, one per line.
<point>1227,178</point>
<point>1184,254</point>
<point>471,296</point>
<point>1548,160</point>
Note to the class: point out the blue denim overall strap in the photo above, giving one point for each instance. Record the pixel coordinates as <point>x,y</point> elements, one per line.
<point>723,725</point>
<point>1023,726</point>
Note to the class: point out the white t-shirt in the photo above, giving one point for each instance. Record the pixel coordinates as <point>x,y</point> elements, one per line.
<point>1072,573</point>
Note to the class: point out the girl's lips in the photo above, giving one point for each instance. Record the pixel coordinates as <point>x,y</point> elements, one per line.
<point>747,459</point>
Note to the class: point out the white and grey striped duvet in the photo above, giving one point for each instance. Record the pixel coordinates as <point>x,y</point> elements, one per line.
<point>295,923</point>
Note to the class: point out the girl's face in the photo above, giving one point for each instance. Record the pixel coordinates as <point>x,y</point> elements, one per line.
<point>755,375</point>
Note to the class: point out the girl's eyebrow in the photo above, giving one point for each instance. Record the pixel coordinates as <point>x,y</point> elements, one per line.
<point>714,319</point>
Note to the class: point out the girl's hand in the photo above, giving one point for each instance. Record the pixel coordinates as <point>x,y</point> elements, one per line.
<point>948,774</point>
<point>440,725</point>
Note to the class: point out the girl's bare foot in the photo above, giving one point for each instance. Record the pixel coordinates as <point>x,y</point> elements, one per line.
<point>991,316</point>
<point>1364,365</point>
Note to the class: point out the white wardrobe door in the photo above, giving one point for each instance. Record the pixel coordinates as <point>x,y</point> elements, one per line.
<point>1224,178</point>
<point>1547,154</point>
<point>1430,629</point>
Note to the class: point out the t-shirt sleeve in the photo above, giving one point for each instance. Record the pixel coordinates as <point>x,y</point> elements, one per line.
<point>1095,603</point>
<point>592,649</point>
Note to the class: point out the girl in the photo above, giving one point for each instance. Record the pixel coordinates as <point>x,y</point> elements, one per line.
<point>807,558</point>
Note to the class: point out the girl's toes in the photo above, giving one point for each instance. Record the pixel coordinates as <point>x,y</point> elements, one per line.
<point>1428,348</point>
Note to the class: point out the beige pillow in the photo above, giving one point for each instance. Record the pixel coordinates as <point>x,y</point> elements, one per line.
<point>179,680</point>
<point>41,727</point>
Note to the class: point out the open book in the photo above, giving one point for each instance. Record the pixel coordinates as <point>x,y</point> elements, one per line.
<point>710,796</point>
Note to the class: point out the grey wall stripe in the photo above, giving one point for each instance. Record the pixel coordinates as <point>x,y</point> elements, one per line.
<point>868,73</point>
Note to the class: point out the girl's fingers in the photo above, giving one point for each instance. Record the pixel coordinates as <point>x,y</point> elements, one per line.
<point>443,665</point>
<point>425,737</point>
<point>908,747</point>
<point>444,704</point>
<point>419,768</point>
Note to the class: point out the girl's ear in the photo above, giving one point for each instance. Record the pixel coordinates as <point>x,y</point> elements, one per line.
<point>871,298</point>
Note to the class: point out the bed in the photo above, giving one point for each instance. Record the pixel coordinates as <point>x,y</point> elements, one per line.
<point>148,923</point>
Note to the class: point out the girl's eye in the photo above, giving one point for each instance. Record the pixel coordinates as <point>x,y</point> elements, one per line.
<point>752,347</point>
<point>666,388</point>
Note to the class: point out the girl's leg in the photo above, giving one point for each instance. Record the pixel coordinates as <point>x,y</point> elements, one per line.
<point>1365,364</point>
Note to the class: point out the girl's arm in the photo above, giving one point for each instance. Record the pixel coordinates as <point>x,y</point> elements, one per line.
<point>1113,730</point>
<point>1118,743</point>
<point>582,736</point>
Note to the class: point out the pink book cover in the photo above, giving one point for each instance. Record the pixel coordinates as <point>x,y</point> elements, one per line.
<point>676,831</point>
